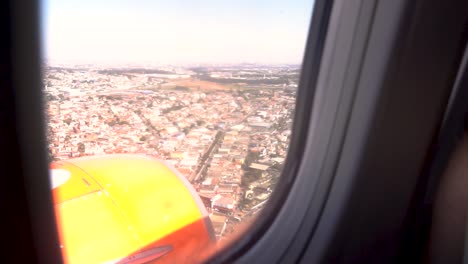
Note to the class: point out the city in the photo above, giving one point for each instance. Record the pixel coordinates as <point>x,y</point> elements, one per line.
<point>226,128</point>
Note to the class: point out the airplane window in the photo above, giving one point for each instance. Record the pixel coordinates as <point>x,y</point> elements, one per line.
<point>168,122</point>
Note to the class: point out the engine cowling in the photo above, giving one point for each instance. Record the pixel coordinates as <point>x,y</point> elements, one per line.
<point>128,209</point>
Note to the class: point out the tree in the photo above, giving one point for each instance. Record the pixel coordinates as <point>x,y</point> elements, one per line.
<point>81,148</point>
<point>67,121</point>
<point>50,156</point>
<point>250,157</point>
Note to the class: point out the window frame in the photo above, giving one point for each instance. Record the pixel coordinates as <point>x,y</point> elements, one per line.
<point>325,221</point>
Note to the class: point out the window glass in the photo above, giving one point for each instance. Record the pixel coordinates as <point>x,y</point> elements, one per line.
<point>168,122</point>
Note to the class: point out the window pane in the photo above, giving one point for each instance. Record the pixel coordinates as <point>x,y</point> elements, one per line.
<point>168,121</point>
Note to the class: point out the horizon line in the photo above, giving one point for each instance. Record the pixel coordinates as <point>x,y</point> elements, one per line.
<point>162,64</point>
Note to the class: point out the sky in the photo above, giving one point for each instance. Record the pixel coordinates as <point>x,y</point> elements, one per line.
<point>175,31</point>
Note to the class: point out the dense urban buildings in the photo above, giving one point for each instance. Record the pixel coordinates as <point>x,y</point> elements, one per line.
<point>225,128</point>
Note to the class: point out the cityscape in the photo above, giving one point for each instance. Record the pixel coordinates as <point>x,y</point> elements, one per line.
<point>226,128</point>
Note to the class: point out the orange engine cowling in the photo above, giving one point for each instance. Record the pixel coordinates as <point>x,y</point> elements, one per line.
<point>128,209</point>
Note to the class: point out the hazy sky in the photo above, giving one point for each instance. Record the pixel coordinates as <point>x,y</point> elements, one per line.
<point>175,31</point>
